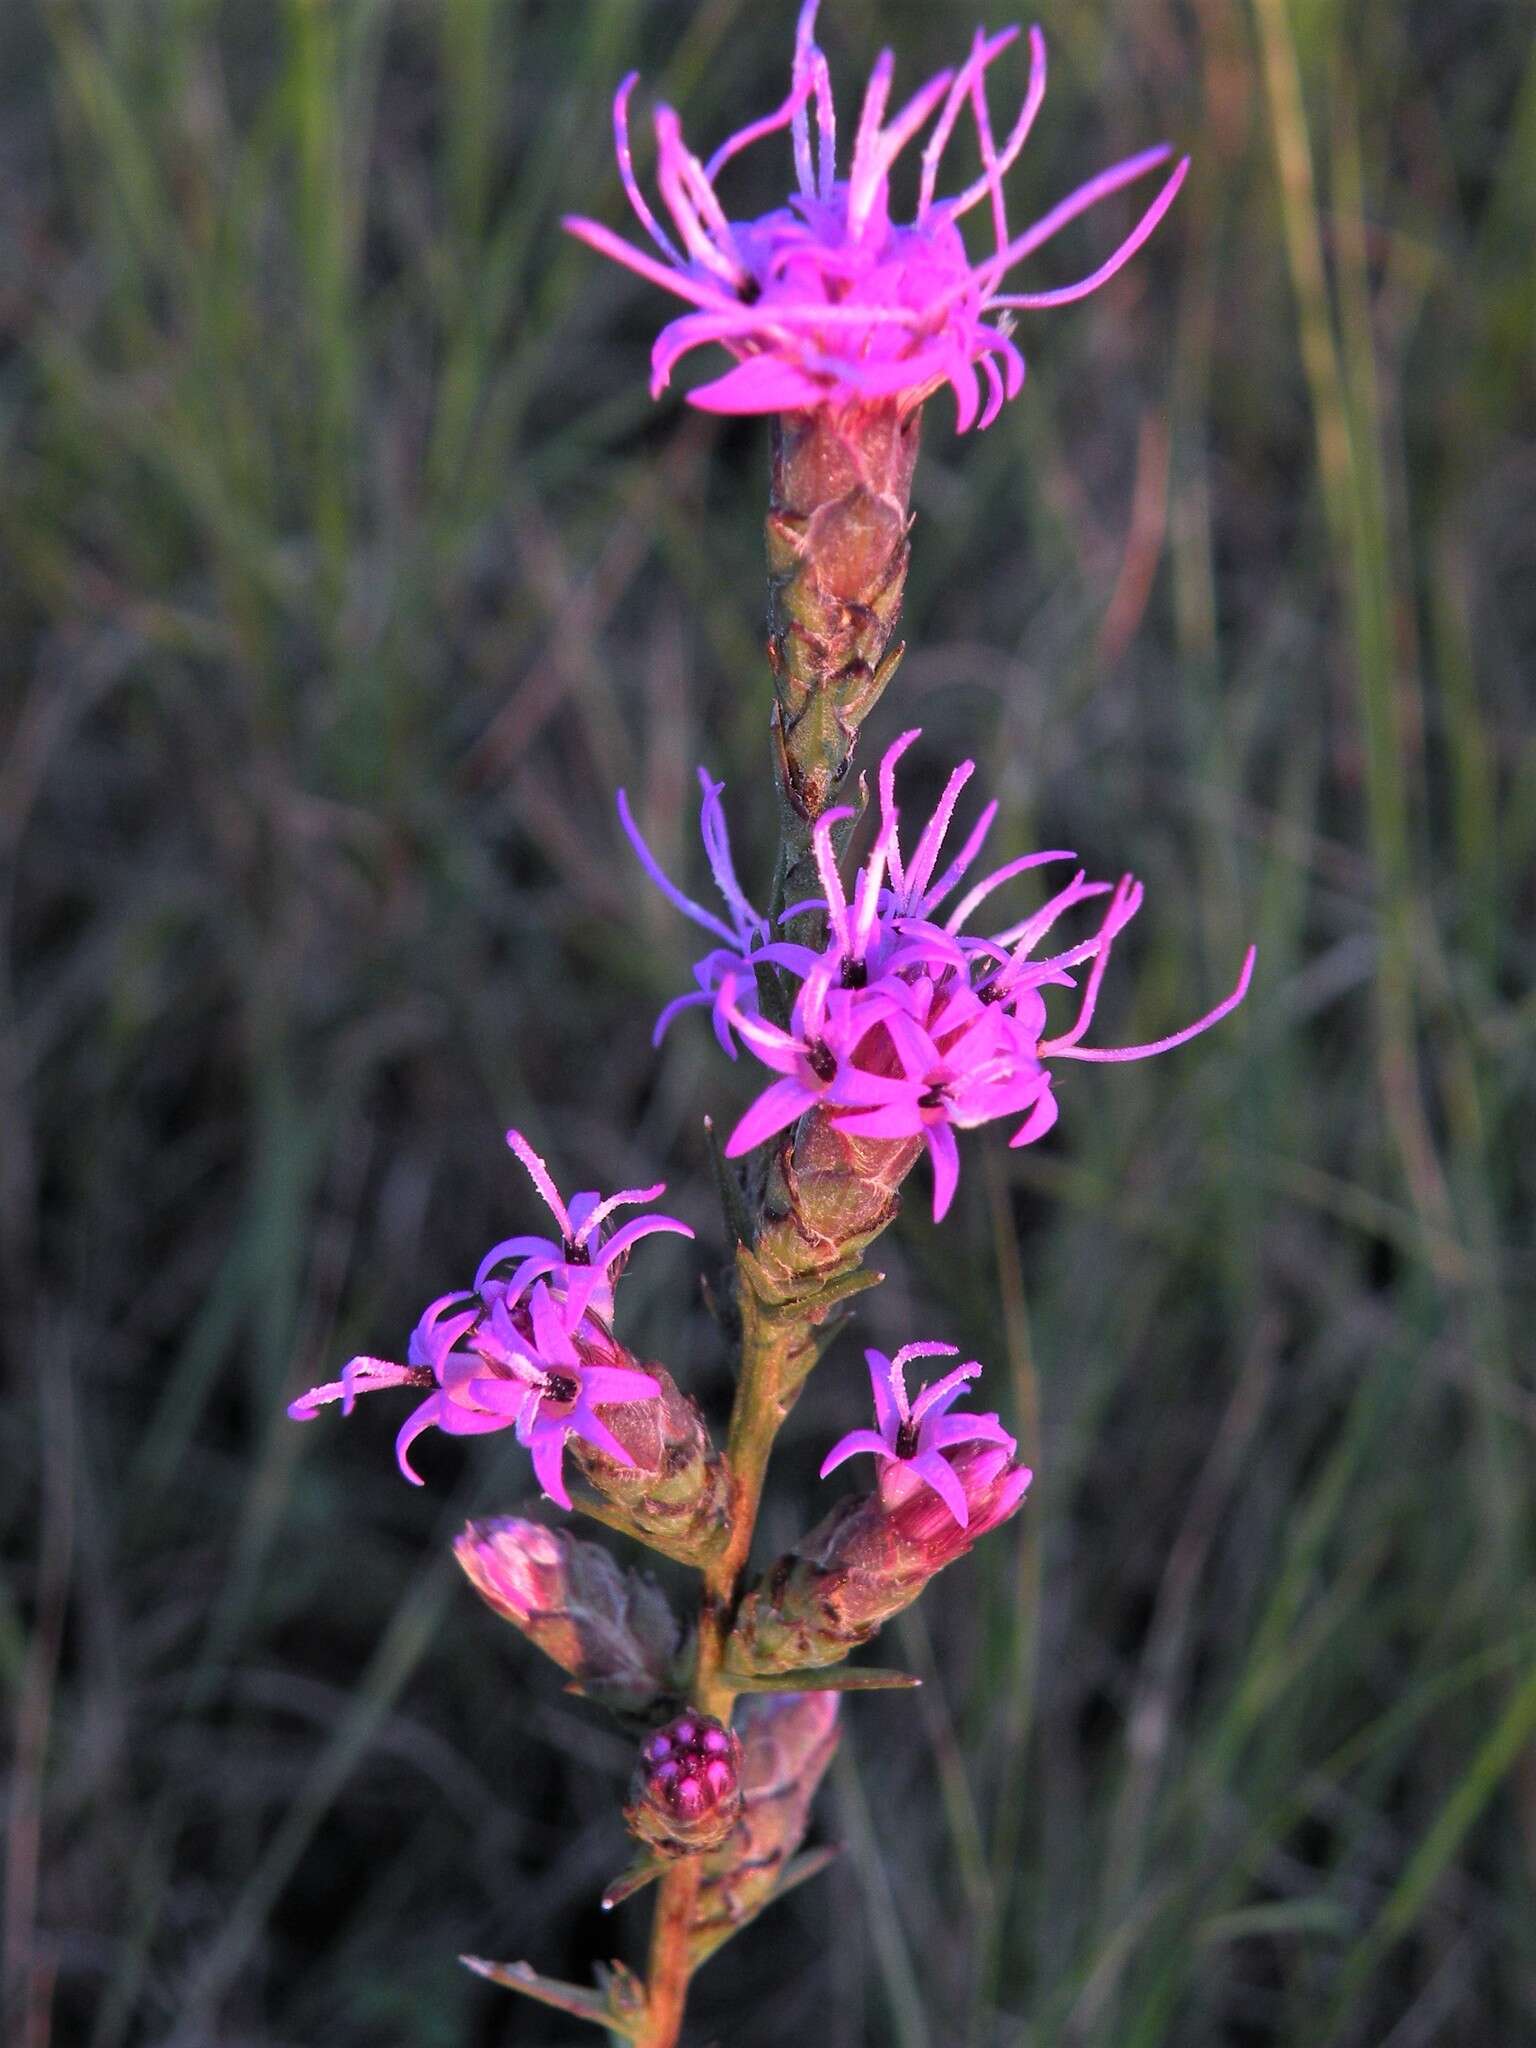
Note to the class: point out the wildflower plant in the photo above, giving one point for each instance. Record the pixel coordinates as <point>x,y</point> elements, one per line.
<point>895,1002</point>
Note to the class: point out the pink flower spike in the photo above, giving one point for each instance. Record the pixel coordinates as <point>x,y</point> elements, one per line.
<point>826,300</point>
<point>913,1436</point>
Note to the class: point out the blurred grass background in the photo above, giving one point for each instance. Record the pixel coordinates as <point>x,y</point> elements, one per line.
<point>346,569</point>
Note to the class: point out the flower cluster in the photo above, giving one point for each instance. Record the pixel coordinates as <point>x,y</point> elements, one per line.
<point>911,1437</point>
<point>905,1026</point>
<point>528,1347</point>
<point>827,300</point>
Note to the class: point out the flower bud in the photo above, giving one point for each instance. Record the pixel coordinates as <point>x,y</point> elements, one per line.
<point>611,1629</point>
<point>685,1795</point>
<point>788,1740</point>
<point>673,1496</point>
<point>866,1561</point>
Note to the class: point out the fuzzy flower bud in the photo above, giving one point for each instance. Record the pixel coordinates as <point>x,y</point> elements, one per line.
<point>670,1490</point>
<point>611,1629</point>
<point>868,1559</point>
<point>788,1741</point>
<point>685,1795</point>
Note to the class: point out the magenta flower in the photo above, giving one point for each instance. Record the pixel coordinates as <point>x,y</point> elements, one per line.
<point>495,1365</point>
<point>581,1269</point>
<point>911,1437</point>
<point>827,1025</point>
<point>968,1065</point>
<point>913,893</point>
<point>746,936</point>
<point>910,1028</point>
<point>827,301</point>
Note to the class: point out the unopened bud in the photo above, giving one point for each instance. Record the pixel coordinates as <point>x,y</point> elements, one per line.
<point>611,1629</point>
<point>866,1561</point>
<point>673,1495</point>
<point>685,1795</point>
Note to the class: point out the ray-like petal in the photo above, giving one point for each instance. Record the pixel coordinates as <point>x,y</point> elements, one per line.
<point>936,1471</point>
<point>855,1444</point>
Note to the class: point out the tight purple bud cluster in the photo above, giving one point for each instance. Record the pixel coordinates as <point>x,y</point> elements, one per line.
<point>686,1793</point>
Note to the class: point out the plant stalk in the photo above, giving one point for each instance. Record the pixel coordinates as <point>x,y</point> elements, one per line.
<point>837,548</point>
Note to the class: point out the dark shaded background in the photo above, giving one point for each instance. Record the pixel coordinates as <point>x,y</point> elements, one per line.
<point>347,568</point>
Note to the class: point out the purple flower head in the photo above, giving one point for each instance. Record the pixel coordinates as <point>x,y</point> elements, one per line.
<point>746,935</point>
<point>493,1364</point>
<point>581,1269</point>
<point>911,1437</point>
<point>910,1028</point>
<point>827,301</point>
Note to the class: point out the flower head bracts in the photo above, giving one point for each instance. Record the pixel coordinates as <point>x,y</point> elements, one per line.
<point>911,1437</point>
<point>827,301</point>
<point>494,1365</point>
<point>581,1269</point>
<point>746,936</point>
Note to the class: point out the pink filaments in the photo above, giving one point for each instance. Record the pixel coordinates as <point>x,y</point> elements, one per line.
<point>827,300</point>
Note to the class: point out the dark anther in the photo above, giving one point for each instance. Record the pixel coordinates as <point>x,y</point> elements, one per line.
<point>933,1098</point>
<point>577,1254</point>
<point>821,1060</point>
<point>906,1439</point>
<point>855,974</point>
<point>991,992</point>
<point>559,1386</point>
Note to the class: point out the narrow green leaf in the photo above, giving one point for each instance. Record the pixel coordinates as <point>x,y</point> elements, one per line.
<point>576,1999</point>
<point>830,1678</point>
<point>643,1871</point>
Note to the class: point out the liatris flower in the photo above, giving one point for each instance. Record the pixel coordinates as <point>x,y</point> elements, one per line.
<point>499,1365</point>
<point>827,1025</point>
<point>612,1630</point>
<point>906,1028</point>
<point>788,1740</point>
<point>581,1269</point>
<point>827,301</point>
<point>911,1437</point>
<point>866,1561</point>
<point>685,1795</point>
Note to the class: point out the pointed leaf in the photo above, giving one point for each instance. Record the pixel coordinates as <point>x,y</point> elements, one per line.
<point>643,1871</point>
<point>830,1678</point>
<point>582,2003</point>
